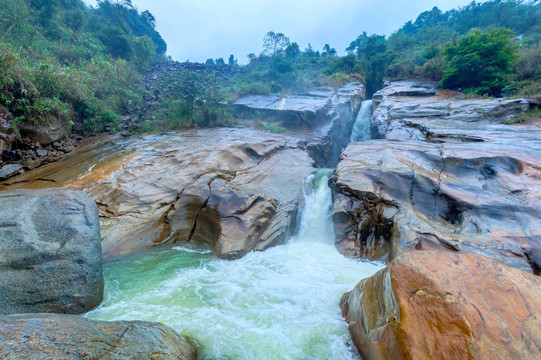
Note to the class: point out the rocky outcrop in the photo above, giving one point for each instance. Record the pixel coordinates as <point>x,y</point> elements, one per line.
<point>48,132</point>
<point>330,113</point>
<point>401,109</point>
<point>50,252</point>
<point>46,336</point>
<point>442,182</point>
<point>236,189</point>
<point>439,305</point>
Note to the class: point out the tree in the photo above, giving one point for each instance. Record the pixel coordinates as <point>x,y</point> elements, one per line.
<point>328,51</point>
<point>231,61</point>
<point>293,50</point>
<point>480,61</point>
<point>149,19</point>
<point>274,43</point>
<point>220,62</point>
<point>210,62</point>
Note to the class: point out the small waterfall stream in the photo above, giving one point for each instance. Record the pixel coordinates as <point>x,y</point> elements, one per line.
<point>278,304</point>
<point>361,128</point>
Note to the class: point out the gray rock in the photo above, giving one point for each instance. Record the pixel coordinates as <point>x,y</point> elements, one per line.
<point>442,182</point>
<point>48,336</point>
<point>9,170</point>
<point>41,152</point>
<point>50,252</point>
<point>48,132</point>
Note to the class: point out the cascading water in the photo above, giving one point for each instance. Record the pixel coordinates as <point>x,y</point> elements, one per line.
<point>361,128</point>
<point>278,304</point>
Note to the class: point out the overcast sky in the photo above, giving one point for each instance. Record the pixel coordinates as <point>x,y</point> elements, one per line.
<point>196,30</point>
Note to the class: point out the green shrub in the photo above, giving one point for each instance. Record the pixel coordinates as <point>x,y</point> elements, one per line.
<point>480,61</point>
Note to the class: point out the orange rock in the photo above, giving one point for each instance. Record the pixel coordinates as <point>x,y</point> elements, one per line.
<point>440,305</point>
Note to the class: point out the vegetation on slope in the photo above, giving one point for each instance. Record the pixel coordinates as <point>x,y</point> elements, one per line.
<point>60,59</point>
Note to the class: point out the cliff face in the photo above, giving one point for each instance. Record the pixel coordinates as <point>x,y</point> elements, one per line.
<point>326,115</point>
<point>448,174</point>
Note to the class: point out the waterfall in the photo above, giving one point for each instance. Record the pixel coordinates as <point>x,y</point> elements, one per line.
<point>278,304</point>
<point>316,224</point>
<point>361,128</point>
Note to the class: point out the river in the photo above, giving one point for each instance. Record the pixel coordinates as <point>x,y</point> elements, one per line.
<point>278,304</point>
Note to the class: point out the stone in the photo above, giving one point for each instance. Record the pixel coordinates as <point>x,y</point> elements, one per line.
<point>48,336</point>
<point>312,110</point>
<point>445,183</point>
<point>441,305</point>
<point>237,189</point>
<point>399,116</point>
<point>7,135</point>
<point>47,132</point>
<point>41,152</point>
<point>9,170</point>
<point>50,252</point>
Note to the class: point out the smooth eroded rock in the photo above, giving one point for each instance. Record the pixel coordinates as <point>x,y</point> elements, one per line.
<point>439,305</point>
<point>47,336</point>
<point>236,189</point>
<point>50,252</point>
<point>447,175</point>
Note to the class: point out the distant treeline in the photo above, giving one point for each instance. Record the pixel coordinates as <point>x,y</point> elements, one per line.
<point>490,48</point>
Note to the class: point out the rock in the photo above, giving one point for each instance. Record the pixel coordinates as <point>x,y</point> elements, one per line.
<point>32,164</point>
<point>47,336</point>
<point>440,305</point>
<point>453,184</point>
<point>49,131</point>
<point>407,88</point>
<point>9,170</point>
<point>7,135</point>
<point>401,117</point>
<point>41,152</point>
<point>315,109</point>
<point>9,155</point>
<point>236,189</point>
<point>50,252</point>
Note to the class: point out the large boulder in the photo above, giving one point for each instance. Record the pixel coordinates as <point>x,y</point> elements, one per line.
<point>47,336</point>
<point>439,305</point>
<point>50,252</point>
<point>48,131</point>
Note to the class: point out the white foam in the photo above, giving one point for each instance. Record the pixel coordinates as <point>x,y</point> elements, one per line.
<point>280,303</point>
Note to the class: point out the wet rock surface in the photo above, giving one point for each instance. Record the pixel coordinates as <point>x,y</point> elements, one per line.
<point>50,252</point>
<point>47,336</point>
<point>327,113</point>
<point>237,189</point>
<point>432,304</point>
<point>442,182</point>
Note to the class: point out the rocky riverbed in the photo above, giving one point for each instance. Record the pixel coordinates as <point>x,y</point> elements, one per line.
<point>446,192</point>
<point>450,194</point>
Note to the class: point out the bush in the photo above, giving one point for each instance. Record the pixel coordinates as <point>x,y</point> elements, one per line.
<point>480,61</point>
